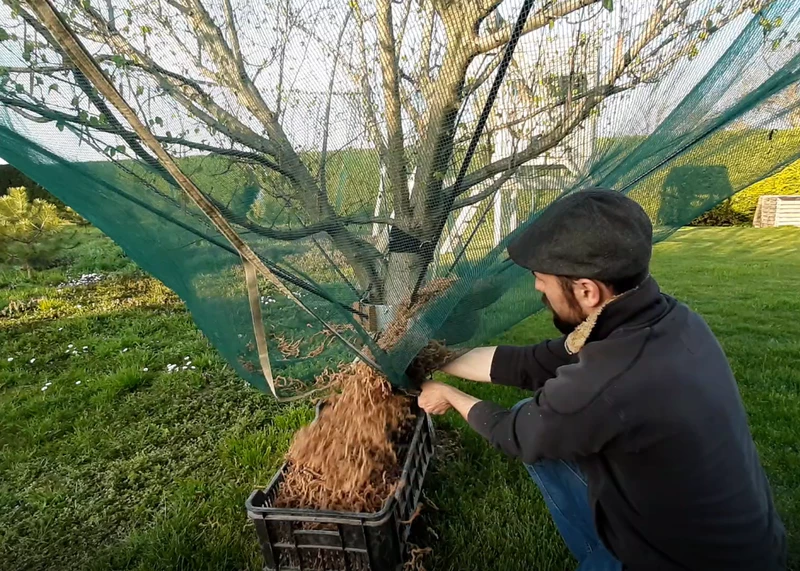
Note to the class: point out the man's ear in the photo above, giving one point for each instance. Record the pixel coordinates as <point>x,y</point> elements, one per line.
<point>589,293</point>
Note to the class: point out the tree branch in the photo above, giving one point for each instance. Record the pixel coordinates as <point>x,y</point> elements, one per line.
<point>368,98</point>
<point>436,145</point>
<point>396,159</point>
<point>58,116</point>
<point>41,70</point>
<point>290,235</point>
<point>484,194</point>
<point>413,113</point>
<point>424,67</point>
<point>363,256</point>
<point>474,85</point>
<point>323,156</point>
<point>316,203</point>
<point>233,36</point>
<point>402,33</point>
<point>282,59</point>
<point>573,117</point>
<point>178,6</point>
<point>186,91</point>
<point>535,21</point>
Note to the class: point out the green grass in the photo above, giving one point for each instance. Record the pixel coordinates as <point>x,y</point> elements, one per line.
<point>149,470</point>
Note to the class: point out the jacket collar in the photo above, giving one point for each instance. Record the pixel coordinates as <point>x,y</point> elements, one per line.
<point>633,309</point>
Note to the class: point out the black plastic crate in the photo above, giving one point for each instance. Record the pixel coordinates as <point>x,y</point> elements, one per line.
<point>346,541</point>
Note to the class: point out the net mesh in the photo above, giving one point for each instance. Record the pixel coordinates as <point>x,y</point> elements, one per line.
<point>366,151</point>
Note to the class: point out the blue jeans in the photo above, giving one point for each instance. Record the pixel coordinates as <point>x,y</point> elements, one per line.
<point>567,497</point>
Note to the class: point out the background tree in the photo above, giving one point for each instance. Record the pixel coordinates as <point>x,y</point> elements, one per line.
<point>28,230</point>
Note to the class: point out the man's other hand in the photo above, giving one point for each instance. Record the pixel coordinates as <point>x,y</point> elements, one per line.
<point>434,398</point>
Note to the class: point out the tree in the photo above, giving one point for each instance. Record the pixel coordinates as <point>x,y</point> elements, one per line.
<point>230,79</point>
<point>27,229</point>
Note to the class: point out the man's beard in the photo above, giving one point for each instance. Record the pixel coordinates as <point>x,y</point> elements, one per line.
<point>565,326</point>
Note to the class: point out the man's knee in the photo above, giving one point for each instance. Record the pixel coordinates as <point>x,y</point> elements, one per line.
<point>521,403</point>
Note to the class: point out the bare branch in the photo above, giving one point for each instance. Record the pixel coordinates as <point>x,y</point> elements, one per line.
<point>474,84</point>
<point>38,70</point>
<point>368,98</point>
<point>186,91</point>
<point>222,54</point>
<point>363,255</point>
<point>324,152</point>
<point>664,13</point>
<point>52,115</point>
<point>402,33</point>
<point>423,66</point>
<point>178,6</point>
<point>486,193</point>
<point>282,60</point>
<point>549,13</point>
<point>396,159</point>
<point>413,112</point>
<point>251,98</point>
<point>233,36</point>
<point>289,235</point>
<point>436,144</point>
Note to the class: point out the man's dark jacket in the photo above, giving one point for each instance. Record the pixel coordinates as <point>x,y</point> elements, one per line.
<point>650,410</point>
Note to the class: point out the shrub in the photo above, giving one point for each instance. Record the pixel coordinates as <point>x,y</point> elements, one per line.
<point>28,230</point>
<point>741,207</point>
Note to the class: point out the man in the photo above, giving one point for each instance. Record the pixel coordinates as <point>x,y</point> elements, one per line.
<point>636,434</point>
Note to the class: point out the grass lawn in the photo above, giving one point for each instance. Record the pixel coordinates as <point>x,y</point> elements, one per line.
<point>119,464</point>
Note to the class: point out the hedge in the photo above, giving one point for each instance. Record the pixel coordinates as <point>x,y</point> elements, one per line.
<point>741,207</point>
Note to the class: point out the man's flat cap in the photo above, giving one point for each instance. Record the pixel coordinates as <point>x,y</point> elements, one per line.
<point>594,233</point>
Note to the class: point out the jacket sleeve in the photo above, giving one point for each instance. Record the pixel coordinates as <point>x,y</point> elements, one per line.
<point>531,366</point>
<point>534,429</point>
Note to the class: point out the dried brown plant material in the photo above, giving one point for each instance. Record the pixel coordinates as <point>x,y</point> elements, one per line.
<point>431,358</point>
<point>397,328</point>
<point>347,459</point>
<point>414,516</point>
<point>417,555</point>
<point>288,348</point>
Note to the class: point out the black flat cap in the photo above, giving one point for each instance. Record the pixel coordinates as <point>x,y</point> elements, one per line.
<point>594,233</point>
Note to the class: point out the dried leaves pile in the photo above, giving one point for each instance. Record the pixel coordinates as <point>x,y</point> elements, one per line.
<point>348,459</point>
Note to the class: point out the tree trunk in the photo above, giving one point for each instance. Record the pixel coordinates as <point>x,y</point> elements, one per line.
<point>402,274</point>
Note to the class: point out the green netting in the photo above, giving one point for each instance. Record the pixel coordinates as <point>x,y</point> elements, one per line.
<point>335,138</point>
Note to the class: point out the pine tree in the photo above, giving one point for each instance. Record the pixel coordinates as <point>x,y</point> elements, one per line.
<point>27,229</point>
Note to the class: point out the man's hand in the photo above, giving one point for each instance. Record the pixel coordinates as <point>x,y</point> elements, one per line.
<point>438,398</point>
<point>433,398</point>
